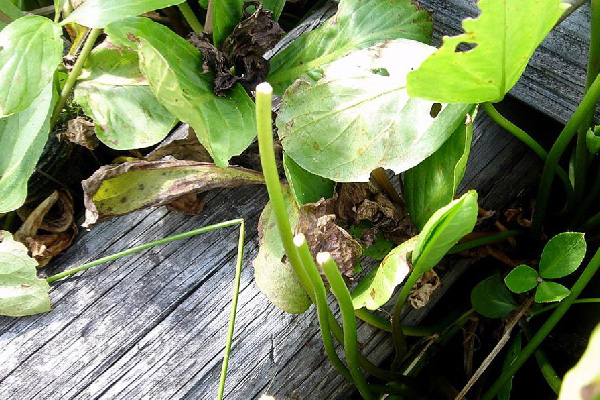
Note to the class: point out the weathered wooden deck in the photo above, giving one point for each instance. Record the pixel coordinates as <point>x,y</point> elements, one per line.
<point>153,325</point>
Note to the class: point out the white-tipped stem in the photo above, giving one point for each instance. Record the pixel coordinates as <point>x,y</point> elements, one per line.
<point>323,257</point>
<point>265,88</point>
<point>299,239</point>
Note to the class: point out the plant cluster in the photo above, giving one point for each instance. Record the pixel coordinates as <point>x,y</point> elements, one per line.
<point>361,94</point>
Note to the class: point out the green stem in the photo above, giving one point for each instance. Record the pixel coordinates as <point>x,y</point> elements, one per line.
<point>397,334</point>
<point>535,313</point>
<point>545,329</point>
<point>340,291</point>
<point>589,200</point>
<point>484,240</point>
<point>234,302</point>
<point>587,105</point>
<point>190,17</point>
<point>521,135</point>
<point>546,368</point>
<point>377,321</point>
<point>592,222</point>
<point>321,304</point>
<point>75,72</point>
<point>137,249</point>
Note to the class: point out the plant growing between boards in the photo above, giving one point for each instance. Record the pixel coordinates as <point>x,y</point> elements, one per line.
<point>350,109</point>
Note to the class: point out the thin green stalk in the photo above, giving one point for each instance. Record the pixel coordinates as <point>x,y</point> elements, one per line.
<point>190,17</point>
<point>75,72</point>
<point>340,291</point>
<point>321,304</point>
<point>521,135</point>
<point>545,329</point>
<point>137,249</point>
<point>234,302</point>
<point>546,368</point>
<point>484,240</point>
<point>375,320</point>
<point>592,222</point>
<point>397,334</point>
<point>587,105</point>
<point>269,167</point>
<point>589,200</point>
<point>267,156</point>
<point>535,313</point>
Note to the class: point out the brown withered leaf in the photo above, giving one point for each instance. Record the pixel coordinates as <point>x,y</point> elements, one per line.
<point>190,204</point>
<point>120,189</point>
<point>424,288</point>
<point>242,51</point>
<point>318,223</point>
<point>54,218</point>
<point>182,145</point>
<point>80,131</point>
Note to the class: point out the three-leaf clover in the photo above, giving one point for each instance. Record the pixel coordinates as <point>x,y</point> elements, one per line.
<point>561,256</point>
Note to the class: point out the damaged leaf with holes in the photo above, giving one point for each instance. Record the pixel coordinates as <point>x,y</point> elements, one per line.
<point>325,126</point>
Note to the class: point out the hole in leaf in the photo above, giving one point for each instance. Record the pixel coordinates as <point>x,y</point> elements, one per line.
<point>435,110</point>
<point>463,47</point>
<point>380,71</point>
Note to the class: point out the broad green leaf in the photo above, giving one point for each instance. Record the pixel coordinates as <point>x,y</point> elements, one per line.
<point>562,255</point>
<point>22,139</point>
<point>120,189</point>
<point>357,24</point>
<point>306,187</point>
<point>521,279</point>
<point>173,68</point>
<point>115,94</point>
<point>378,250</point>
<point>376,289</point>
<point>21,291</point>
<point>273,275</point>
<point>548,292</point>
<point>514,350</point>
<point>30,51</point>
<point>443,230</point>
<point>432,183</point>
<point>505,34</point>
<point>100,13</point>
<point>582,382</point>
<point>492,299</point>
<point>226,15</point>
<point>357,117</point>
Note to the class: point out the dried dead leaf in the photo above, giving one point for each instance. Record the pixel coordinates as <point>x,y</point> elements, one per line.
<point>424,288</point>
<point>190,204</point>
<point>120,189</point>
<point>181,147</point>
<point>80,131</point>
<point>318,223</point>
<point>54,216</point>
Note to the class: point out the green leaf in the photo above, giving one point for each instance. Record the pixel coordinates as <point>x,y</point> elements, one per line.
<point>226,15</point>
<point>8,13</point>
<point>357,24</point>
<point>432,183</point>
<point>173,68</point>
<point>506,34</point>
<point>514,350</point>
<point>379,249</point>
<point>521,279</point>
<point>548,292</point>
<point>21,291</point>
<point>306,187</point>
<point>562,255</point>
<point>100,13</point>
<point>120,189</point>
<point>492,299</point>
<point>273,275</point>
<point>443,230</point>
<point>113,91</point>
<point>592,140</point>
<point>582,382</point>
<point>30,51</point>
<point>376,289</point>
<point>22,139</point>
<point>355,119</point>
